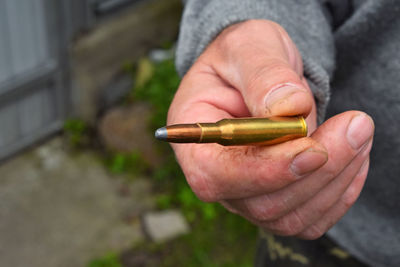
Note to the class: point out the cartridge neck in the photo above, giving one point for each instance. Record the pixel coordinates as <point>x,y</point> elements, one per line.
<point>210,132</point>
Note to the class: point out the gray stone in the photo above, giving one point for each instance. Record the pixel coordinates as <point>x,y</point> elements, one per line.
<point>51,154</point>
<point>159,55</point>
<point>62,209</point>
<point>164,225</point>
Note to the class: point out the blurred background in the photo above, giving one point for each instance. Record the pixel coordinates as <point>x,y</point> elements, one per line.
<point>83,86</point>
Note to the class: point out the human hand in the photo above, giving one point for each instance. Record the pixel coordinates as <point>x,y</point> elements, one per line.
<point>301,187</point>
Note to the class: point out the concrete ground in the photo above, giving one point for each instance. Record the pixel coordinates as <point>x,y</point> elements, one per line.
<point>62,209</point>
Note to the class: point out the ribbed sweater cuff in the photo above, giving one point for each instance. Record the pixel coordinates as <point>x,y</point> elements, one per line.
<point>204,20</point>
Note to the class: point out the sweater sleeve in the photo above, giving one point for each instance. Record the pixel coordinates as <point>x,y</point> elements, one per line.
<point>304,21</point>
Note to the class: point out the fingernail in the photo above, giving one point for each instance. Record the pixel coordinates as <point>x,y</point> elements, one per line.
<point>359,131</point>
<point>279,94</point>
<point>308,161</point>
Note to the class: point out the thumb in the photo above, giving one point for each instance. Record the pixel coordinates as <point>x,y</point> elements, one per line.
<point>259,59</point>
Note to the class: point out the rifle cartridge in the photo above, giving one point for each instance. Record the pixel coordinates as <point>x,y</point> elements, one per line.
<point>233,132</point>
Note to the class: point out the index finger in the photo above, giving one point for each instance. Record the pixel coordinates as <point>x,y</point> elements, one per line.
<point>216,173</point>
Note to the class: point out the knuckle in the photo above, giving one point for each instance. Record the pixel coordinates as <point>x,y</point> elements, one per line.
<point>266,213</point>
<point>201,181</point>
<point>289,225</point>
<point>235,35</point>
<point>267,67</point>
<point>330,172</point>
<point>201,187</point>
<point>295,223</point>
<point>312,233</point>
<point>255,25</point>
<point>205,196</point>
<point>230,207</point>
<point>349,198</point>
<point>232,38</point>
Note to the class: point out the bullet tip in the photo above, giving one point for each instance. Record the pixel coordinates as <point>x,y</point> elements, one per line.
<point>161,134</point>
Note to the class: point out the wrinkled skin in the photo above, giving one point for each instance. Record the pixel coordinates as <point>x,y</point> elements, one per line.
<point>298,188</point>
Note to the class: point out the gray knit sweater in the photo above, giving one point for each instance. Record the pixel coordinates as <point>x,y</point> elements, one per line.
<point>351,54</point>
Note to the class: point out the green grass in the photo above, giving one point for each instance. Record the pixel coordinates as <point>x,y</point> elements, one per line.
<point>217,237</point>
<point>132,163</point>
<point>77,132</point>
<point>109,260</point>
<point>158,83</point>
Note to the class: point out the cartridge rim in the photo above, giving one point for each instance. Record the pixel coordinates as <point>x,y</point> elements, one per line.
<point>305,127</point>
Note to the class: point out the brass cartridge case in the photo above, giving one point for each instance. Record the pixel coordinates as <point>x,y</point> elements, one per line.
<point>241,131</point>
